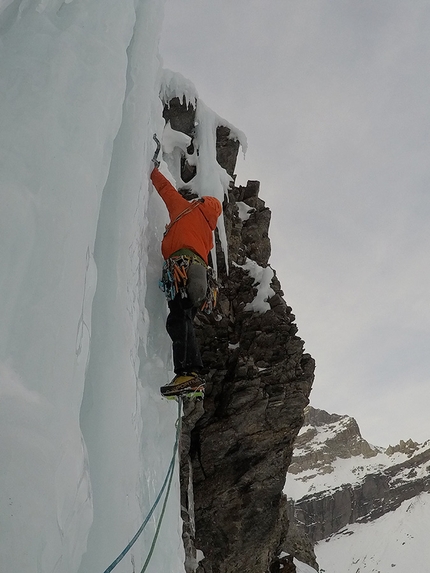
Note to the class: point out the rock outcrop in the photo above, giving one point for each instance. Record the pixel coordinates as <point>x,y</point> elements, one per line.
<point>342,442</point>
<point>236,454</point>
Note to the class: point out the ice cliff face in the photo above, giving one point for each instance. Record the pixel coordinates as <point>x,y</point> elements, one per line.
<point>336,479</point>
<point>86,440</point>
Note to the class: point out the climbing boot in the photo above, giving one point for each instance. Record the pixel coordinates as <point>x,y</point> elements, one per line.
<point>189,384</point>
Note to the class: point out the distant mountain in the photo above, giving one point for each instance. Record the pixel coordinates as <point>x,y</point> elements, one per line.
<point>344,491</point>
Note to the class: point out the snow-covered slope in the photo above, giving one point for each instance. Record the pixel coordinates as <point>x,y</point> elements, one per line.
<point>86,438</point>
<point>397,541</point>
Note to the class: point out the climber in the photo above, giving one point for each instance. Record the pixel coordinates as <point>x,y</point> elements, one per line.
<point>187,242</point>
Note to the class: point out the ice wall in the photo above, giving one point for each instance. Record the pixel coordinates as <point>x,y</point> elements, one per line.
<point>79,104</point>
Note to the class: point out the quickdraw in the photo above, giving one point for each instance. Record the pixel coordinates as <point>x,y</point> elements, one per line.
<point>211,293</point>
<point>174,280</point>
<point>174,277</point>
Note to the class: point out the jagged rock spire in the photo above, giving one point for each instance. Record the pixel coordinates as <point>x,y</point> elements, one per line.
<point>259,380</point>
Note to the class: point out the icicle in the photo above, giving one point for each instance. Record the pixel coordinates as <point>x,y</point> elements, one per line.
<point>174,85</point>
<point>211,178</point>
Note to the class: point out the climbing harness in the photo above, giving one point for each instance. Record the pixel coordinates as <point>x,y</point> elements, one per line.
<point>174,276</point>
<point>167,483</point>
<point>174,280</point>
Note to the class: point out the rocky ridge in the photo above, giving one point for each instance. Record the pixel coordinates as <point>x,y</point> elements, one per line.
<point>336,478</point>
<point>237,445</point>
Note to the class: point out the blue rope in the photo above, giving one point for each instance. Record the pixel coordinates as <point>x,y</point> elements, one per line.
<point>160,521</point>
<point>167,480</point>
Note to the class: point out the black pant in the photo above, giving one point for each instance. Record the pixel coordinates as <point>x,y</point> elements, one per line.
<point>179,325</point>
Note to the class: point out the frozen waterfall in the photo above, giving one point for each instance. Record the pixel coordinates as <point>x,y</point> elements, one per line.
<point>86,438</point>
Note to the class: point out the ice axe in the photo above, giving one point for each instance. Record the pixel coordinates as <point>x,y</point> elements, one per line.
<point>157,151</point>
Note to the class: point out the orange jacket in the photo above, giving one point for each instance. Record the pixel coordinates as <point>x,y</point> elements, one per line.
<point>193,230</point>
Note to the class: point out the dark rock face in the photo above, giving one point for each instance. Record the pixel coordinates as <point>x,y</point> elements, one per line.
<point>298,544</point>
<point>235,456</point>
<point>259,380</point>
<point>283,565</point>
<point>226,149</point>
<point>181,116</point>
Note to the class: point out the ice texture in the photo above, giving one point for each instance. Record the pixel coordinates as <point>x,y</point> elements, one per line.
<point>262,280</point>
<point>86,438</point>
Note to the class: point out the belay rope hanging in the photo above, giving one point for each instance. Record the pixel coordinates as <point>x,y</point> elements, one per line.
<point>175,277</point>
<point>167,483</point>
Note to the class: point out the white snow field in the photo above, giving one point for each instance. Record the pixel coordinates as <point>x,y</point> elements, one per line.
<point>397,541</point>
<point>303,567</point>
<point>86,439</point>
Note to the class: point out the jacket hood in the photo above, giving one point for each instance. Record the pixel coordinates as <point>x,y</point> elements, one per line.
<point>211,209</point>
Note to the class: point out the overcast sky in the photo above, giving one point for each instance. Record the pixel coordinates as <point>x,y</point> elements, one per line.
<point>334,97</point>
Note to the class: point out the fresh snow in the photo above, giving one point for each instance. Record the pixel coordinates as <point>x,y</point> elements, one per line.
<point>343,471</point>
<point>397,541</point>
<point>262,279</point>
<point>86,437</point>
<point>173,84</point>
<point>303,567</point>
<point>245,210</point>
<point>174,140</point>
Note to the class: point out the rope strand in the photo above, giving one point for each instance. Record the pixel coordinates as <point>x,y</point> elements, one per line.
<point>167,482</point>
<point>160,521</point>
